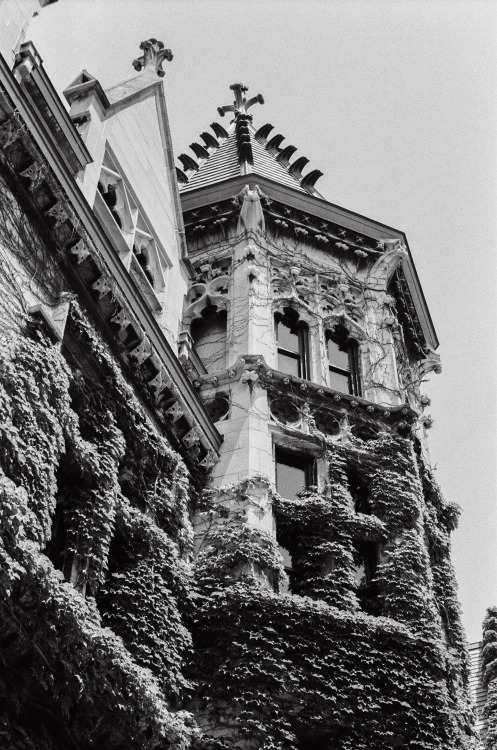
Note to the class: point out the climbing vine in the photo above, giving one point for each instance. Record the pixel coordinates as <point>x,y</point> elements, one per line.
<point>489,672</point>
<point>64,438</point>
<point>340,662</point>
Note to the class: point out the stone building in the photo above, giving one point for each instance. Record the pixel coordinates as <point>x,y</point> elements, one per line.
<point>219,526</point>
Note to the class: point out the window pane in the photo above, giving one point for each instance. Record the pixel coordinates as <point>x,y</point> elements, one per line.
<point>291,365</point>
<point>290,480</point>
<point>339,381</point>
<point>288,338</point>
<point>338,356</point>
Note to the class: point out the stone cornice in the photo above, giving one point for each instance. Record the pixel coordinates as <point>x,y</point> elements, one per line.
<point>255,369</point>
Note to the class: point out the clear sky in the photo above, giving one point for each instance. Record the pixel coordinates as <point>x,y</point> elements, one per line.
<point>396,102</point>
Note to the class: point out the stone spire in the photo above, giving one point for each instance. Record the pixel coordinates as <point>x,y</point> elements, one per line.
<point>153,56</point>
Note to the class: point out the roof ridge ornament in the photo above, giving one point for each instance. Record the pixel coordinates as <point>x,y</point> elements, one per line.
<point>240,105</point>
<point>153,56</point>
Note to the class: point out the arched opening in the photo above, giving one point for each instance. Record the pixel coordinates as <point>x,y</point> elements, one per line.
<point>209,336</point>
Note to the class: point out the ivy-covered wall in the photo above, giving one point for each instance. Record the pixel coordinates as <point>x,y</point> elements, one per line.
<point>95,532</point>
<point>489,677</point>
<point>114,634</point>
<point>336,664</point>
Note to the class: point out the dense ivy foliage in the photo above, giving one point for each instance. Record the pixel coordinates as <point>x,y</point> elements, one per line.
<point>327,664</point>
<point>489,674</point>
<point>110,658</point>
<point>281,672</point>
<point>83,443</point>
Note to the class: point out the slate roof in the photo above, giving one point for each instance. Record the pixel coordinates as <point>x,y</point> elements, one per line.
<point>242,150</point>
<point>224,163</point>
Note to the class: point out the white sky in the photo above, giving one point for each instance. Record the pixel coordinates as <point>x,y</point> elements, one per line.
<point>395,101</point>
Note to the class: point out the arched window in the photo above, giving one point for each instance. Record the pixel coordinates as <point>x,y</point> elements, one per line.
<point>292,343</point>
<point>209,337</point>
<point>343,363</point>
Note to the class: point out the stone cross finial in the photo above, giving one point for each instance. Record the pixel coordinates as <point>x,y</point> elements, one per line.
<point>240,105</point>
<point>153,56</point>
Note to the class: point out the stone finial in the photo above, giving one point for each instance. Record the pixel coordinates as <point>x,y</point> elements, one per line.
<point>153,56</point>
<point>240,105</point>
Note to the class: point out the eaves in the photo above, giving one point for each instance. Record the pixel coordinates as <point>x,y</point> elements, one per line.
<point>328,212</point>
<point>123,282</point>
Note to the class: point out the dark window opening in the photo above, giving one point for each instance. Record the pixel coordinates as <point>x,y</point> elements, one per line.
<point>141,256</point>
<point>294,474</point>
<point>343,363</point>
<point>292,344</point>
<point>366,557</point>
<point>359,491</point>
<point>209,336</point>
<point>110,200</point>
<point>56,549</point>
<point>314,740</point>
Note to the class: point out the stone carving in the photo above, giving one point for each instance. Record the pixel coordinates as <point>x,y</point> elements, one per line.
<point>80,250</point>
<point>208,461</point>
<point>36,173</point>
<point>9,132</point>
<point>213,292</point>
<point>58,212</point>
<point>160,381</point>
<point>331,298</point>
<point>431,363</point>
<point>175,411</point>
<point>340,301</point>
<point>153,56</point>
<point>192,437</point>
<point>241,105</point>
<point>212,270</point>
<point>250,377</point>
<point>121,319</point>
<point>394,251</point>
<point>251,216</point>
<point>290,283</point>
<point>141,352</point>
<point>101,286</point>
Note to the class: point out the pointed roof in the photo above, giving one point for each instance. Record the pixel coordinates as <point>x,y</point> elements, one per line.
<point>242,150</point>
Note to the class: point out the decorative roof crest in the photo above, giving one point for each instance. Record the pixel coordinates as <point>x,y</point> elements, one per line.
<point>240,105</point>
<point>153,56</point>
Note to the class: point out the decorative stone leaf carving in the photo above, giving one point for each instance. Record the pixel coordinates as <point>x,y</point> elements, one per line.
<point>191,438</point>
<point>175,412</point>
<point>101,286</point>
<point>59,212</point>
<point>141,352</point>
<point>36,173</point>
<point>80,250</point>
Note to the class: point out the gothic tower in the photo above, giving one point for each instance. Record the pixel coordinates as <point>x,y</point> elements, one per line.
<point>326,614</point>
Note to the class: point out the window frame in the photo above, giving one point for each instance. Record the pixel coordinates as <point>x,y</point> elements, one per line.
<point>296,460</point>
<point>302,332</point>
<point>351,347</point>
